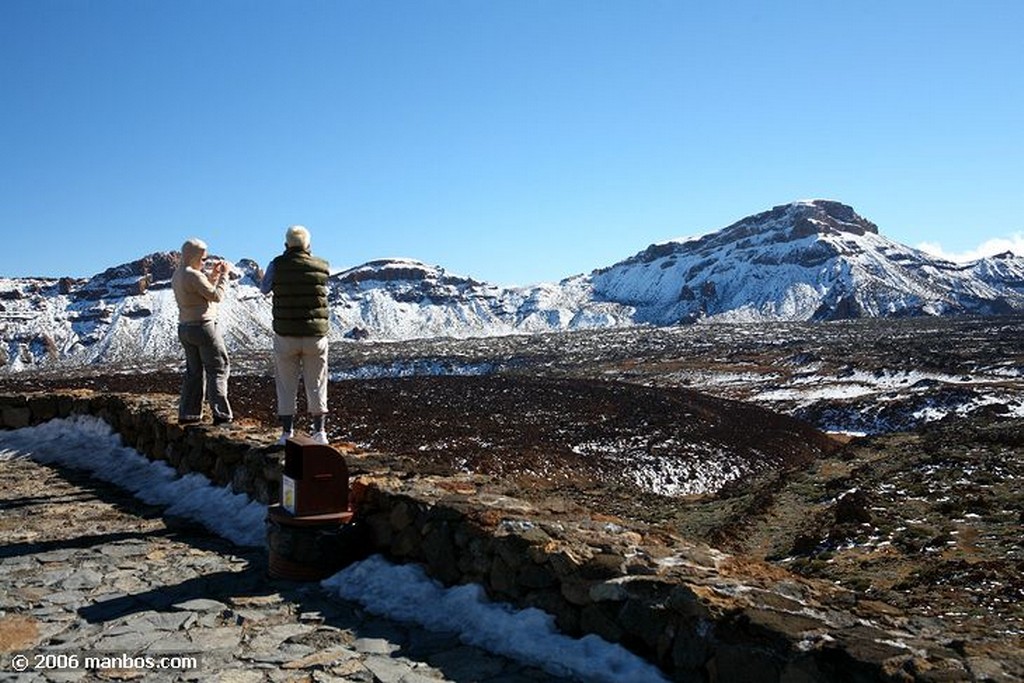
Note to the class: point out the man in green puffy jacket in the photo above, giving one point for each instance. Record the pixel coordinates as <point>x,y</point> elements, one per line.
<point>298,281</point>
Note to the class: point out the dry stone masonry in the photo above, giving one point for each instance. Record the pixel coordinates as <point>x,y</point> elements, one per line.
<point>699,614</point>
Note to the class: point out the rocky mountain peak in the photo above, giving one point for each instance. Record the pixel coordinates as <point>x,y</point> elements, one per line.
<point>388,270</point>
<point>836,216</point>
<point>156,266</point>
<point>802,219</point>
<point>247,271</point>
<point>783,223</point>
<point>400,270</point>
<point>131,278</point>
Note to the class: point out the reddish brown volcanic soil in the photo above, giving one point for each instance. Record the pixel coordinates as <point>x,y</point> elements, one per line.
<point>526,430</point>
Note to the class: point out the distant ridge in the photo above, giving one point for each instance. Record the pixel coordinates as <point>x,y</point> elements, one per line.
<point>807,260</point>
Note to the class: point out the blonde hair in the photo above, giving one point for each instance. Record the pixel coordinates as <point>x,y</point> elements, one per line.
<point>191,249</point>
<point>297,236</point>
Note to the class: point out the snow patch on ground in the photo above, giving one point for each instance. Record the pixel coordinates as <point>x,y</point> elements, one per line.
<point>401,592</point>
<point>90,444</point>
<point>425,367</point>
<point>526,635</point>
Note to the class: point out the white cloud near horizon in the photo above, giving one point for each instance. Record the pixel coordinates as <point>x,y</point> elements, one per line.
<point>991,247</point>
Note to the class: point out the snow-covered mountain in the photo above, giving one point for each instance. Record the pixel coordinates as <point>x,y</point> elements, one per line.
<point>402,298</point>
<point>125,314</point>
<point>812,260</point>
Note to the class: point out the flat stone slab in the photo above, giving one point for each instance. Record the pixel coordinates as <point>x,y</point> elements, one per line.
<point>88,570</point>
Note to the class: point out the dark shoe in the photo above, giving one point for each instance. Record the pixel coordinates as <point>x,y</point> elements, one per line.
<point>217,421</point>
<point>185,421</point>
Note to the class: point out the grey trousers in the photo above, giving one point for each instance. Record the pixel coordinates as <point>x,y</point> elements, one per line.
<point>206,371</point>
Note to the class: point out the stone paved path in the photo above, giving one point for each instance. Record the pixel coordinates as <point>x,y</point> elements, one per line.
<point>88,571</point>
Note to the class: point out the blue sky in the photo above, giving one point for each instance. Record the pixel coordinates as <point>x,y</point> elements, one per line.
<point>514,141</point>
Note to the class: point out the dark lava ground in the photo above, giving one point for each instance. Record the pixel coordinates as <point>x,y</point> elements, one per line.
<point>927,521</point>
<point>526,431</point>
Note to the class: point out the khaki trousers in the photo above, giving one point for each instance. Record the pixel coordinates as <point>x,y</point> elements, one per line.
<point>304,357</point>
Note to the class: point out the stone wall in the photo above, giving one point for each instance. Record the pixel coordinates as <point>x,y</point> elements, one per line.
<point>700,614</point>
<point>227,456</point>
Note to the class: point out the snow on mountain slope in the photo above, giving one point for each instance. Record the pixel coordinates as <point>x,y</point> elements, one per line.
<point>123,315</point>
<point>810,260</point>
<point>1004,272</point>
<point>813,260</point>
<point>403,298</point>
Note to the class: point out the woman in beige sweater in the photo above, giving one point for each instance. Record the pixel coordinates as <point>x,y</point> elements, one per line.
<point>206,358</point>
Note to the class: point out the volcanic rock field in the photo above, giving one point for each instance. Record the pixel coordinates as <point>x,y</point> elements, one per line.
<point>883,455</point>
